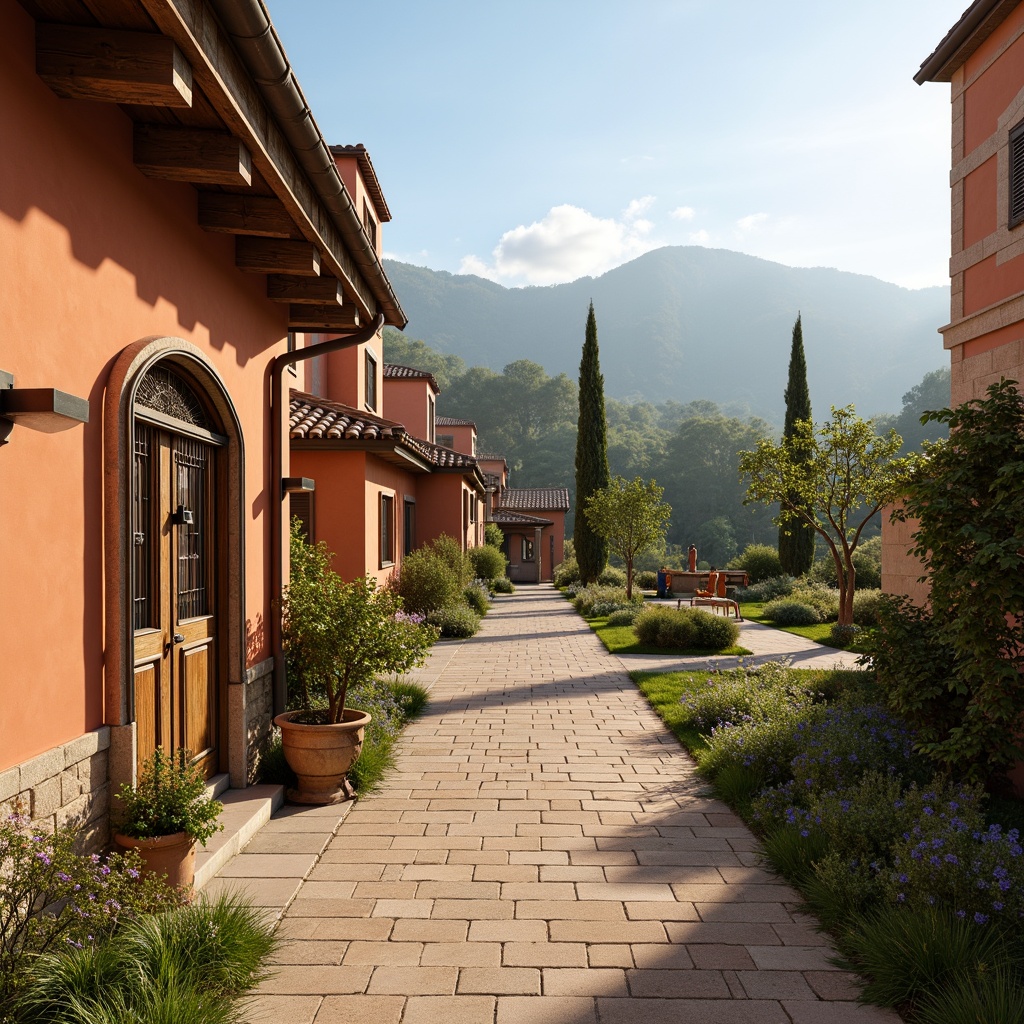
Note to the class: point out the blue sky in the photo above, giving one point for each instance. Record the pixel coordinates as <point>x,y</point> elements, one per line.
<point>538,142</point>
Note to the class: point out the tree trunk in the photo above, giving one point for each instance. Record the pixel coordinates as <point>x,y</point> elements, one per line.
<point>847,582</point>
<point>629,579</point>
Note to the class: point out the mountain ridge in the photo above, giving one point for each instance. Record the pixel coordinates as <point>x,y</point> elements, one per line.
<point>686,323</point>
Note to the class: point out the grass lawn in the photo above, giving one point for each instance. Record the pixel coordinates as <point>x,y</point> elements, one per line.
<point>820,633</point>
<point>622,640</point>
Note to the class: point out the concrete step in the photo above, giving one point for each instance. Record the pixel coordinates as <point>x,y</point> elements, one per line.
<point>245,812</point>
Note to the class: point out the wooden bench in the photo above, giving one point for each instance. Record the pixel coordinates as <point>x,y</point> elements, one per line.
<point>726,603</point>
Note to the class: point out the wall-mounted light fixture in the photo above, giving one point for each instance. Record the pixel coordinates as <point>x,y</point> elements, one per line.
<point>44,409</point>
<point>293,484</point>
<point>183,516</point>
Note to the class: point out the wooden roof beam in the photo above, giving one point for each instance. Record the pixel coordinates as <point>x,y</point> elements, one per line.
<point>318,291</point>
<point>231,214</point>
<point>276,256</point>
<point>142,68</point>
<point>185,154</point>
<point>302,317</point>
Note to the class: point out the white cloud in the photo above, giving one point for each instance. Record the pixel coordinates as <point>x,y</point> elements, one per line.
<point>568,243</point>
<point>700,237</point>
<point>751,222</point>
<point>683,213</point>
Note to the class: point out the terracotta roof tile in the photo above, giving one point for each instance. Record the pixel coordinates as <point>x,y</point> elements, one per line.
<point>453,421</point>
<point>535,499</point>
<point>314,418</point>
<point>504,517</point>
<point>393,371</point>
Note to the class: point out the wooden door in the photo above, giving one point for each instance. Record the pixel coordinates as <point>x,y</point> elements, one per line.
<point>174,595</point>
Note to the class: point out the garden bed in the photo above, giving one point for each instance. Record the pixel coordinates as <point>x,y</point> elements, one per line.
<point>623,640</point>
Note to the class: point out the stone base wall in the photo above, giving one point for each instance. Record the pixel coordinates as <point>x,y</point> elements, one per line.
<point>259,714</point>
<point>69,782</point>
<point>901,571</point>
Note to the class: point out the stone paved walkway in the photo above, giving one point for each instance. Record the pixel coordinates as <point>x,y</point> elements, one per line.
<point>544,854</point>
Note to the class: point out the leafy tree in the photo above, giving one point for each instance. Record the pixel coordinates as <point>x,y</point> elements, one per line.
<point>835,480</point>
<point>630,517</point>
<point>413,352</point>
<point>591,454</point>
<point>968,498</point>
<point>911,424</point>
<point>796,538</point>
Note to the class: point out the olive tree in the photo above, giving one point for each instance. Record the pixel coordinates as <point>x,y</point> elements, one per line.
<point>630,517</point>
<point>833,479</point>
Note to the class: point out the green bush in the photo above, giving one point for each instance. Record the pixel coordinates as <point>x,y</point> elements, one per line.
<point>494,536</point>
<point>449,550</point>
<point>427,582</point>
<point>502,585</point>
<point>567,572</point>
<point>624,616</point>
<point>456,622</point>
<point>646,579</point>
<point>489,563</point>
<point>188,965</point>
<point>477,598</point>
<point>612,577</point>
<point>843,636</point>
<point>714,632</point>
<point>865,606</point>
<point>787,611</point>
<point>759,561</point>
<point>823,599</point>
<point>596,600</point>
<point>866,561</point>
<point>767,589</point>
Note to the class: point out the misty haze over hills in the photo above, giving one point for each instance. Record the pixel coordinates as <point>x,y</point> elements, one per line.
<point>688,323</point>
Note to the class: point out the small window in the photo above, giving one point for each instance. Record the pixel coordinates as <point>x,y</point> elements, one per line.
<point>409,526</point>
<point>387,530</point>
<point>371,381</point>
<point>301,508</point>
<point>1017,175</point>
<point>369,223</point>
<point>446,440</point>
<point>431,419</point>
<point>527,550</point>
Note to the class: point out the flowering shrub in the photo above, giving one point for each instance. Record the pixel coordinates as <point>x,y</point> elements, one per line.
<point>477,597</point>
<point>766,589</point>
<point>455,622</point>
<point>51,897</point>
<point>949,858</point>
<point>597,600</point>
<point>502,585</point>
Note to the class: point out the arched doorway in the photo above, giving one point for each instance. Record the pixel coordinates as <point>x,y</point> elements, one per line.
<point>176,518</point>
<point>175,561</point>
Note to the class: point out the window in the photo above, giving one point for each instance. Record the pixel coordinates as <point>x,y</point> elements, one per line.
<point>446,440</point>
<point>301,507</point>
<point>431,419</point>
<point>387,530</point>
<point>371,381</point>
<point>410,526</point>
<point>369,223</point>
<point>1017,175</point>
<point>527,550</point>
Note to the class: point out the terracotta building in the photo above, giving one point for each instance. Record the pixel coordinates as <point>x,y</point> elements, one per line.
<point>982,59</point>
<point>174,233</point>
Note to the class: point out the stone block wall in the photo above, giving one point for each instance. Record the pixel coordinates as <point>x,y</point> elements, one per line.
<point>69,782</point>
<point>259,714</point>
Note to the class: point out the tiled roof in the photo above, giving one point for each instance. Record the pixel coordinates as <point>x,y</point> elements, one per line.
<point>536,499</point>
<point>317,418</point>
<point>370,182</point>
<point>312,418</point>
<point>392,371</point>
<point>503,517</point>
<point>453,421</point>
<point>489,458</point>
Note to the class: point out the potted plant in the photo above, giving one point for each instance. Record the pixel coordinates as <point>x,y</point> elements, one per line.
<point>336,635</point>
<point>166,813</point>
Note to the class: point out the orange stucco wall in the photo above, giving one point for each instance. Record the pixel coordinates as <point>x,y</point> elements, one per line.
<point>94,256</point>
<point>979,205</point>
<point>463,438</point>
<point>997,83</point>
<point>408,402</point>
<point>344,374</point>
<point>441,510</point>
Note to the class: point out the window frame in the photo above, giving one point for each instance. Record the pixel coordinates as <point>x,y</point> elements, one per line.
<point>387,530</point>
<point>370,388</point>
<point>1015,176</point>
<point>527,550</point>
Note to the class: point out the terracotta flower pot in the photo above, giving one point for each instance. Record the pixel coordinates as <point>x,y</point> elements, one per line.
<point>320,755</point>
<point>173,856</point>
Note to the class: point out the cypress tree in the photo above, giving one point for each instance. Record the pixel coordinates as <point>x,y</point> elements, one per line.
<point>796,539</point>
<point>591,455</point>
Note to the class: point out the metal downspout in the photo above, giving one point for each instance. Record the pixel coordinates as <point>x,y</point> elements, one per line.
<point>278,399</point>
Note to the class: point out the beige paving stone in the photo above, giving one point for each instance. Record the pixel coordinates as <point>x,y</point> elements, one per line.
<point>807,1012</point>
<point>549,1010</point>
<point>324,872</point>
<point>746,913</point>
<point>413,981</point>
<point>508,931</point>
<point>402,908</point>
<point>418,930</point>
<point>587,981</point>
<point>500,980</point>
<point>334,928</point>
<point>437,872</point>
<point>506,873</point>
<point>607,931</point>
<point>311,951</point>
<point>833,984</point>
<point>704,1011</point>
<point>473,909</point>
<point>461,954</point>
<point>302,980</point>
<point>790,958</point>
<point>363,953</point>
<point>478,890</point>
<point>775,985</point>
<point>268,1009</point>
<point>714,931</point>
<point>662,911</point>
<point>545,954</point>
<point>569,910</point>
<point>538,891</point>
<point>448,1010</point>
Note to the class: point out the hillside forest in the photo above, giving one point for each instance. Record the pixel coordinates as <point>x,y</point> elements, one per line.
<point>690,448</point>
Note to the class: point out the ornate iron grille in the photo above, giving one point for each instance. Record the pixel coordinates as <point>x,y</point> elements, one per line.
<point>143,577</point>
<point>192,464</point>
<point>164,391</point>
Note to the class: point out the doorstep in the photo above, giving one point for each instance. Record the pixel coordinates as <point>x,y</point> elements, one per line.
<point>245,812</point>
